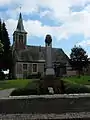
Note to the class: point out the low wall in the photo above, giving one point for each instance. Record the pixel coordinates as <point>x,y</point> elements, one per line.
<point>47,104</point>
<point>71,73</point>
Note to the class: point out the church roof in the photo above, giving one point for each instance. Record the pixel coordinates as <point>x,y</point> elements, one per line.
<point>37,53</point>
<point>20,26</point>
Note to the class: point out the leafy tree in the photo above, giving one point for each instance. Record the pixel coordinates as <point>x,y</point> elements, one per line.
<point>78,59</point>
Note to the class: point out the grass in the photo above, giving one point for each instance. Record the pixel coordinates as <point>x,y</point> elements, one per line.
<point>76,80</point>
<point>29,83</point>
<point>19,83</point>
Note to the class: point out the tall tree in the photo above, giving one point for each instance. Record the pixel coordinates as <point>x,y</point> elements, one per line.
<point>78,58</point>
<point>7,55</point>
<point>1,48</point>
<point>1,44</point>
<point>0,29</point>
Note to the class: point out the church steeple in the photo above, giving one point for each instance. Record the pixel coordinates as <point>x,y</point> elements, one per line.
<point>20,26</point>
<point>20,35</point>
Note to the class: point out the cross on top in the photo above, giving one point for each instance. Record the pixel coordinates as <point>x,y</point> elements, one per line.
<point>20,8</point>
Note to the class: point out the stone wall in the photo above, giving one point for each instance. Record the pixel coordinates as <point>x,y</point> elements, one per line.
<point>46,106</point>
<point>71,73</point>
<point>41,67</point>
<point>19,72</point>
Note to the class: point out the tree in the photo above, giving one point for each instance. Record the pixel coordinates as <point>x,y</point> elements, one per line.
<point>1,48</point>
<point>78,59</point>
<point>7,54</point>
<point>0,30</point>
<point>1,45</point>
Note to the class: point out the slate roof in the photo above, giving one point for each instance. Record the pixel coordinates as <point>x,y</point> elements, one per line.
<point>36,53</point>
<point>20,27</point>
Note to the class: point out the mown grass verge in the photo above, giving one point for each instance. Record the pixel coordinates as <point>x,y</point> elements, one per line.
<point>18,83</point>
<point>84,80</point>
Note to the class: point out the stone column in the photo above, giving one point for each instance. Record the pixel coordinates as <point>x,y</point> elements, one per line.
<point>49,68</point>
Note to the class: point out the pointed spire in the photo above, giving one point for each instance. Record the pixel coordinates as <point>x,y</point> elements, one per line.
<point>20,26</point>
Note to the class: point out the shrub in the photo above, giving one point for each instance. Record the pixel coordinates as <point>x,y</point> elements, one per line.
<point>24,91</point>
<point>2,76</point>
<point>76,89</point>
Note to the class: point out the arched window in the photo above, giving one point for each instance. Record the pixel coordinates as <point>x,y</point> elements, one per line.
<point>20,38</point>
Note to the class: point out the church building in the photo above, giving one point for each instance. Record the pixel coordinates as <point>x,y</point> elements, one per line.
<point>29,60</point>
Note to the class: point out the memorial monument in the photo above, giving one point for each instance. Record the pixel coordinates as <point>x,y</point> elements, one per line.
<point>48,45</point>
<point>49,82</point>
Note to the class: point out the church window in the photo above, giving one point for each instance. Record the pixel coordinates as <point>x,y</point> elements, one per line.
<point>25,66</point>
<point>34,67</point>
<point>20,38</point>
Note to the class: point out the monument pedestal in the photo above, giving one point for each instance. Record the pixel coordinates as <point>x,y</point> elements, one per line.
<point>50,71</point>
<point>53,82</point>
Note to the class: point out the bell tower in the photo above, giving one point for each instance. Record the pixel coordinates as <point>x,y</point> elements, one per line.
<point>19,35</point>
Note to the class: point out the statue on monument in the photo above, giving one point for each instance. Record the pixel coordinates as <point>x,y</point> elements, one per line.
<point>48,39</point>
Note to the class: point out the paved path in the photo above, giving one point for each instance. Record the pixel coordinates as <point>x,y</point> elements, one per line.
<point>87,86</point>
<point>6,92</point>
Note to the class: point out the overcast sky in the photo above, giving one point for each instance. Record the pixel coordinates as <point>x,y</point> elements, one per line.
<point>68,21</point>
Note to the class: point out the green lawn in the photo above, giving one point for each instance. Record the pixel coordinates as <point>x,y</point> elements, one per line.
<point>82,80</point>
<point>29,83</point>
<point>18,83</point>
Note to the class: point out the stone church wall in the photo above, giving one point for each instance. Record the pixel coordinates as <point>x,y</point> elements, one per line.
<point>20,72</point>
<point>41,67</point>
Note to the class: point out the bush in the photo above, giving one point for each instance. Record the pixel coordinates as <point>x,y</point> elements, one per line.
<point>76,89</point>
<point>2,76</point>
<point>24,91</point>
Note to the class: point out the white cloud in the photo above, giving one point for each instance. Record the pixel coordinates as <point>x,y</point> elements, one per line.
<point>46,13</point>
<point>79,2</point>
<point>73,22</point>
<point>4,2</point>
<point>84,43</point>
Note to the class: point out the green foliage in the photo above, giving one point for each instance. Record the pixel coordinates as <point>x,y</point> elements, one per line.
<point>6,57</point>
<point>84,80</point>
<point>78,58</point>
<point>2,75</point>
<point>33,89</point>
<point>19,83</point>
<point>75,88</point>
<point>24,91</point>
<point>1,48</point>
<point>30,89</point>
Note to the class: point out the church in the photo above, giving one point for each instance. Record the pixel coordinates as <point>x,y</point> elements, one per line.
<point>29,60</point>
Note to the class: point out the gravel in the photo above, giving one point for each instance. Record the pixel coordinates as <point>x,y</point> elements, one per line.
<point>67,116</point>
<point>51,96</point>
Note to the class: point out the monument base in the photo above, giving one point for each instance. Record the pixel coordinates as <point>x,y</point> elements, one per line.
<point>50,71</point>
<point>51,81</point>
<point>57,85</point>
